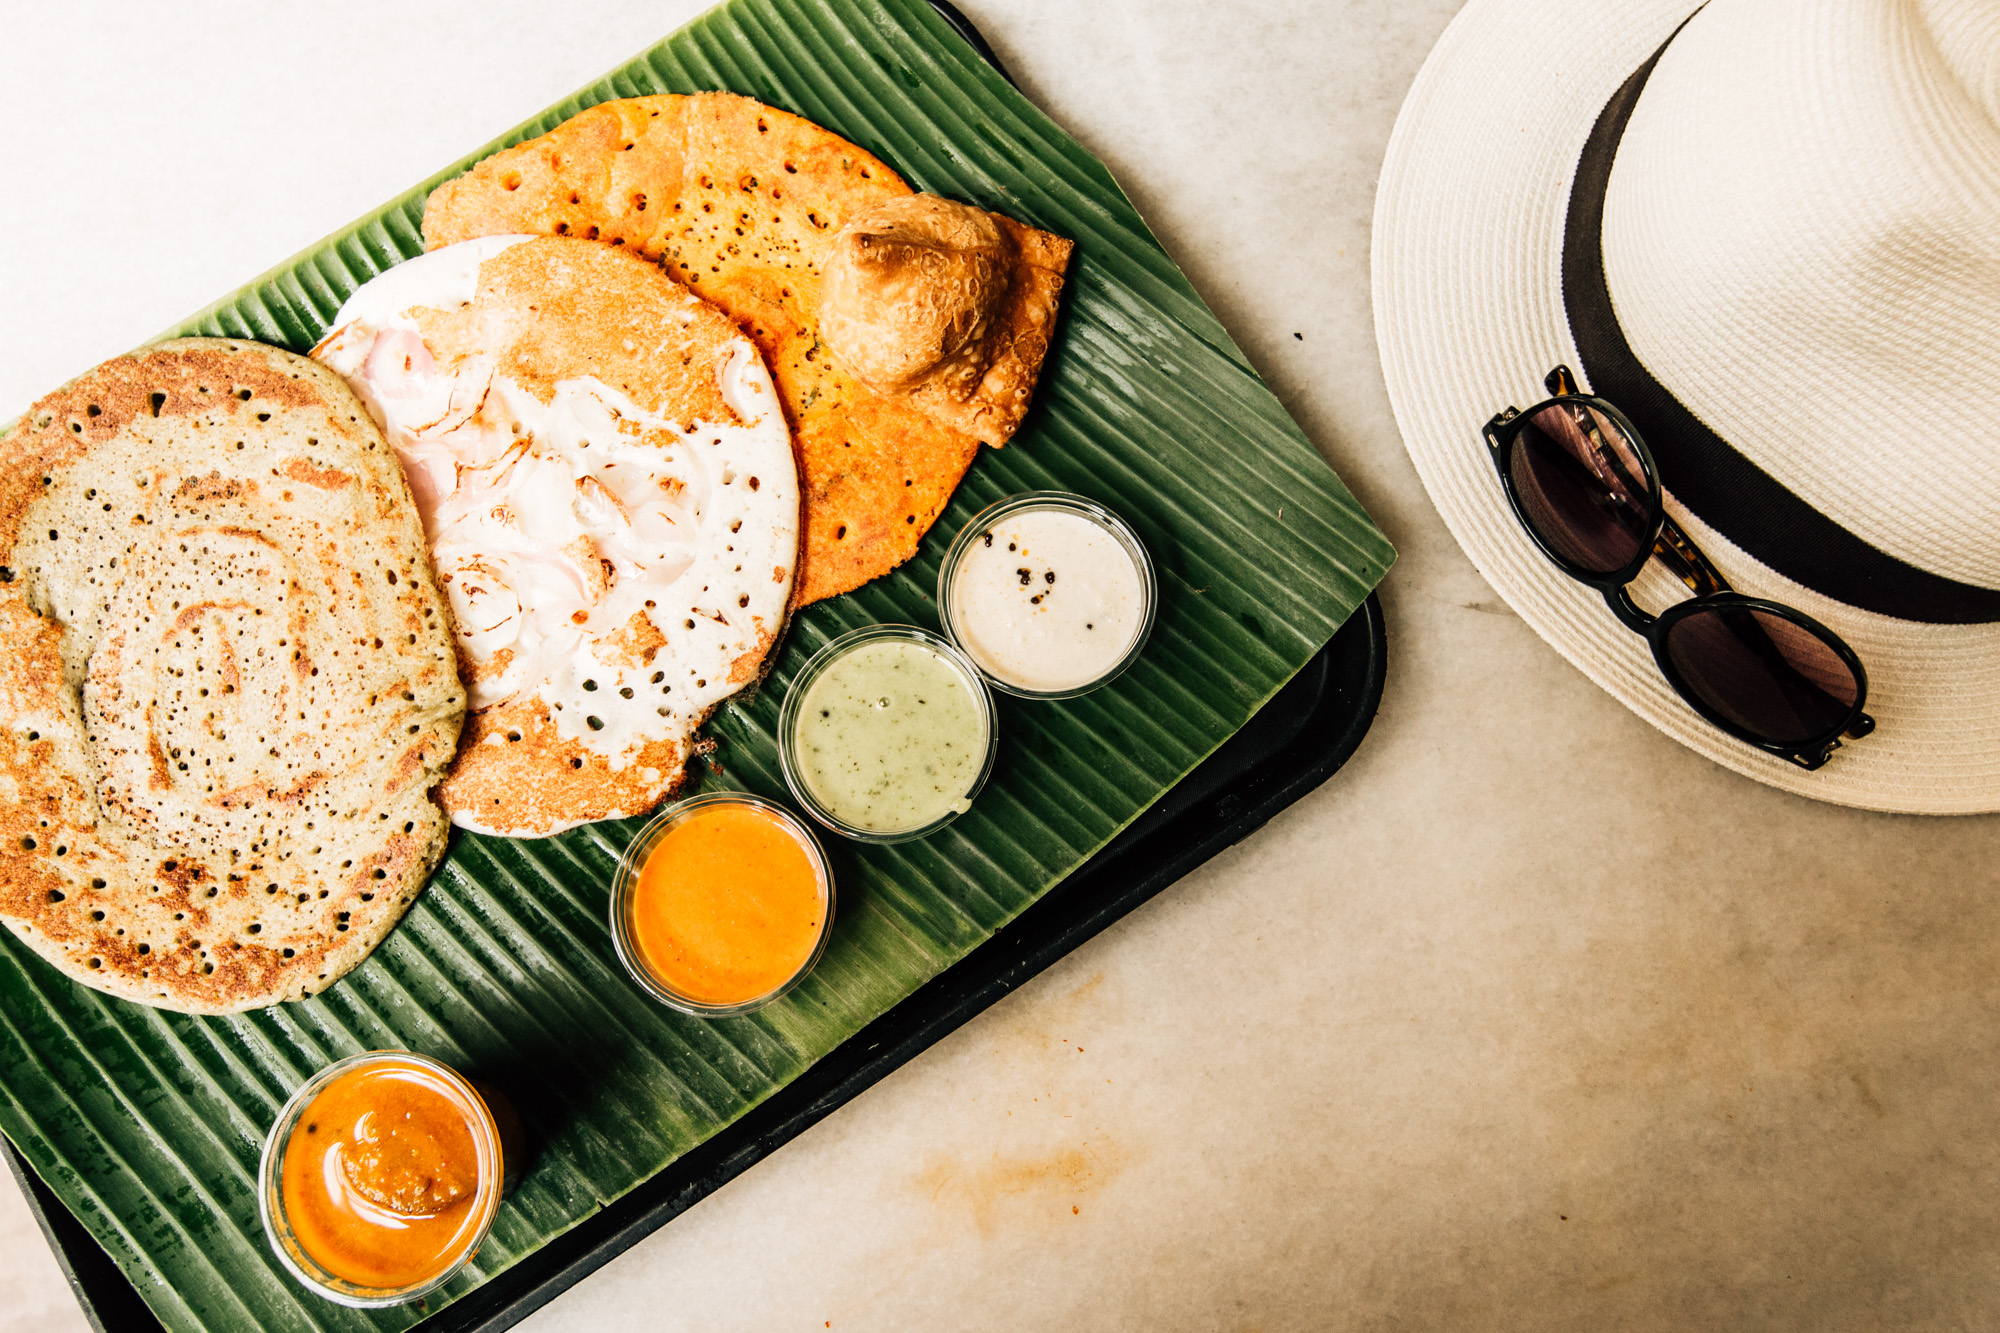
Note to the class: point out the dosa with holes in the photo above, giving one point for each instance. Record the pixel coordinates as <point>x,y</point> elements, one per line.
<point>745,203</point>
<point>609,490</point>
<point>229,684</point>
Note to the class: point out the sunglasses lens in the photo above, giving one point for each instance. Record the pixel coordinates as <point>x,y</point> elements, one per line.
<point>1582,487</point>
<point>1772,677</point>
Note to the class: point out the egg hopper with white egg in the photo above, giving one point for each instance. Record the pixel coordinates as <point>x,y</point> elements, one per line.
<point>610,494</point>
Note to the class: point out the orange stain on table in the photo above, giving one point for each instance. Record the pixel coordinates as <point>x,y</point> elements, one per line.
<point>986,1189</point>
<point>728,906</point>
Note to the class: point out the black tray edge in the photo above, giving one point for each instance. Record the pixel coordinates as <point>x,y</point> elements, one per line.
<point>974,38</point>
<point>110,1302</point>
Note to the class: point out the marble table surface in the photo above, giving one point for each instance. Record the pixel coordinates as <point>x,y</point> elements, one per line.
<point>1528,1018</point>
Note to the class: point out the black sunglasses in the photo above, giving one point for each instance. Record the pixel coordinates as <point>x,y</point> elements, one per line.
<point>1584,485</point>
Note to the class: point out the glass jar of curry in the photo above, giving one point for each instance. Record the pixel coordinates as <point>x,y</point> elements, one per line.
<point>381,1177</point>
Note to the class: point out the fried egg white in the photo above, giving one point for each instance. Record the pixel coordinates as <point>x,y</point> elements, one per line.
<point>608,486</point>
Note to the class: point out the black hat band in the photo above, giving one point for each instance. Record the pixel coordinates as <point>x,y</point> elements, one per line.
<point>1730,493</point>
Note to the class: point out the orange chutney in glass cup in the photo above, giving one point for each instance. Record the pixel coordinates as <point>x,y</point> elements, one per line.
<point>721,904</point>
<point>388,1169</point>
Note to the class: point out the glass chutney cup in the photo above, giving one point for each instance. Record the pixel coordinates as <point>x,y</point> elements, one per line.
<point>625,894</point>
<point>490,1172</point>
<point>887,734</point>
<point>1030,587</point>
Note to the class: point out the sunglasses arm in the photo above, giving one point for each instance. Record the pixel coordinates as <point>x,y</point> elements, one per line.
<point>1678,553</point>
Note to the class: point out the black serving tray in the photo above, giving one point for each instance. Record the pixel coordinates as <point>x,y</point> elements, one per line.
<point>1294,743</point>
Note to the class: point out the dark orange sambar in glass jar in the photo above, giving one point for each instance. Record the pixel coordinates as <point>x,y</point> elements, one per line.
<point>381,1177</point>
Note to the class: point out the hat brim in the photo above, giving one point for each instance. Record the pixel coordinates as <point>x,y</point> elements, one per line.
<point>1469,316</point>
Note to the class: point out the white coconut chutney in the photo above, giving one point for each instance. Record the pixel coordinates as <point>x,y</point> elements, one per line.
<point>1046,600</point>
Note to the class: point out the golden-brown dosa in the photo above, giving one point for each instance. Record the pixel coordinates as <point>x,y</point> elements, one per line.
<point>229,684</point>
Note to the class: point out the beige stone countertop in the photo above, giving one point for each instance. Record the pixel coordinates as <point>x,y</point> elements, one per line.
<point>1528,1018</point>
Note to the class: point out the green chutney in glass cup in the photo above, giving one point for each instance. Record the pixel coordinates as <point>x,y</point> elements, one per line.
<point>887,734</point>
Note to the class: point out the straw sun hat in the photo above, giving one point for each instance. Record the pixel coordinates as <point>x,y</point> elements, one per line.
<point>1769,231</point>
